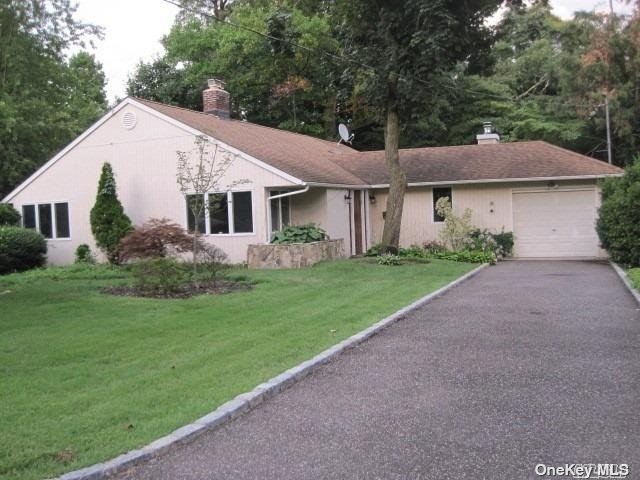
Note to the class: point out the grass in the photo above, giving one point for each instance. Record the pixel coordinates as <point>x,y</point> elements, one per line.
<point>87,376</point>
<point>634,275</point>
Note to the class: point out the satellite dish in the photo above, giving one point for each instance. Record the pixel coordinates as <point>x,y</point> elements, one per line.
<point>345,136</point>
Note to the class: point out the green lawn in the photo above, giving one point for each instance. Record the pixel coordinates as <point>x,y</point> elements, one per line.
<point>634,275</point>
<point>87,376</point>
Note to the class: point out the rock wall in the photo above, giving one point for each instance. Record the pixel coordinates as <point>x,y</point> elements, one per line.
<point>295,255</point>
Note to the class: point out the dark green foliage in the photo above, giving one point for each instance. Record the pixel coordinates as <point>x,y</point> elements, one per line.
<point>374,250</point>
<point>300,234</point>
<point>21,249</point>
<point>45,100</point>
<point>109,223</point>
<point>161,81</point>
<point>505,241</point>
<point>634,276</point>
<point>468,256</point>
<point>499,243</point>
<point>212,260</point>
<point>164,275</point>
<point>619,220</point>
<point>434,246</point>
<point>84,254</point>
<point>389,260</point>
<point>9,215</point>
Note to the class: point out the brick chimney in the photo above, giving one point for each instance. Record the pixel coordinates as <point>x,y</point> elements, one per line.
<point>216,100</point>
<point>488,135</point>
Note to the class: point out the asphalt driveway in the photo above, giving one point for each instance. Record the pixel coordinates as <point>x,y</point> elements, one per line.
<point>526,363</point>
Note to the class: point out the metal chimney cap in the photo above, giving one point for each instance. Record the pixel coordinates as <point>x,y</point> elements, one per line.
<point>487,127</point>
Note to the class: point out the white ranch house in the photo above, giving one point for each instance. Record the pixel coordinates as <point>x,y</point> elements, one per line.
<point>548,196</point>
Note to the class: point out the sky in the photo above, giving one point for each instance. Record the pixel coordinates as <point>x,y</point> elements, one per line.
<point>134,28</point>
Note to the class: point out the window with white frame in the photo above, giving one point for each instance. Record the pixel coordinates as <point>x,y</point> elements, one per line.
<point>439,193</point>
<point>225,213</point>
<point>50,219</point>
<point>280,212</point>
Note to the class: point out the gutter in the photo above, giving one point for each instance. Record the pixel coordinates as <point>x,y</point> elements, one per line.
<point>291,194</point>
<point>502,180</point>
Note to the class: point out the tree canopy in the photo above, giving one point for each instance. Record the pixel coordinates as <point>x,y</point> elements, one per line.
<point>46,99</point>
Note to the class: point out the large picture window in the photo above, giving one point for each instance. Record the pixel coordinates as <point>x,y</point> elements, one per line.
<point>222,213</point>
<point>439,193</point>
<point>50,219</point>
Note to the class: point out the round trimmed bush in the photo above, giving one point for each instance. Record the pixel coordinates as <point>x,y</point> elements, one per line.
<point>9,215</point>
<point>21,249</point>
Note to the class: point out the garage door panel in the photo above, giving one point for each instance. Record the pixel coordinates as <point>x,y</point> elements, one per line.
<point>555,223</point>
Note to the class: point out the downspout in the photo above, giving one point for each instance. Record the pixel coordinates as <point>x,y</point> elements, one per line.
<point>282,195</point>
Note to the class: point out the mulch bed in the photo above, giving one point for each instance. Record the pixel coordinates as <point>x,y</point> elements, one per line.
<point>187,291</point>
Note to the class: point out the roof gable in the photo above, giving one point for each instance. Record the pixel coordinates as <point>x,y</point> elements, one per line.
<point>310,159</point>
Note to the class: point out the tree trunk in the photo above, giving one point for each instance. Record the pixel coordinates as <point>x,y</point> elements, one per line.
<point>397,176</point>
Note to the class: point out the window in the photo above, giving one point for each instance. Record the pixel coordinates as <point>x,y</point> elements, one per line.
<point>62,220</point>
<point>195,203</point>
<point>45,220</point>
<point>280,212</point>
<point>50,219</point>
<point>219,213</point>
<point>242,212</point>
<point>439,193</point>
<point>29,216</point>
<point>223,213</point>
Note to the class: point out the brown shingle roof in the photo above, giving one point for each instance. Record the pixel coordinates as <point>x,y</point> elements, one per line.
<point>306,158</point>
<point>517,160</point>
<point>318,161</point>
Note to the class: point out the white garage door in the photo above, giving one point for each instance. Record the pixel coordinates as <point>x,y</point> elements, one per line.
<point>555,223</point>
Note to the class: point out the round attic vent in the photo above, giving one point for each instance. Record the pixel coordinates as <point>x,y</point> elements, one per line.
<point>129,120</point>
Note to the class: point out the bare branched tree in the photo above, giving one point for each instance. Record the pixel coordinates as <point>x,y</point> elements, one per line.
<point>201,171</point>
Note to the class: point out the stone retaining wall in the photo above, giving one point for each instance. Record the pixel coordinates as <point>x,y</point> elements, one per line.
<point>295,255</point>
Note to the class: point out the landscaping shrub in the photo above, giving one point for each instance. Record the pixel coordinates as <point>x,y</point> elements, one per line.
<point>483,241</point>
<point>299,234</point>
<point>469,256</point>
<point>619,219</point>
<point>162,276</point>
<point>21,249</point>
<point>9,216</point>
<point>374,250</point>
<point>109,223</point>
<point>389,260</point>
<point>212,259</point>
<point>456,231</point>
<point>505,241</point>
<point>433,246</point>
<point>158,238</point>
<point>84,254</point>
<point>413,252</point>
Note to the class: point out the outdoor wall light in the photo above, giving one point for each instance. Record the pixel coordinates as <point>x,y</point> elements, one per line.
<point>372,198</point>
